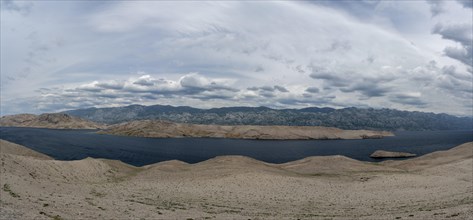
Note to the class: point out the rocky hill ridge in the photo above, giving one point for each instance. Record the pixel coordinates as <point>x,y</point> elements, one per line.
<point>433,186</point>
<point>48,120</point>
<point>165,129</point>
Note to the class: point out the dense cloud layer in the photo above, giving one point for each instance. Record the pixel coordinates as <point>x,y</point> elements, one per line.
<point>407,55</point>
<point>461,33</point>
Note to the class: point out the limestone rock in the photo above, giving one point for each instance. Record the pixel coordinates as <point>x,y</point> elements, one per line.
<point>390,154</point>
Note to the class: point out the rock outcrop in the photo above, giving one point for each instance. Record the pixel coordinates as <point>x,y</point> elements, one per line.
<point>390,154</point>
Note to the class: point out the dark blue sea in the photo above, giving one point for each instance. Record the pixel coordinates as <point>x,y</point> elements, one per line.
<point>79,144</point>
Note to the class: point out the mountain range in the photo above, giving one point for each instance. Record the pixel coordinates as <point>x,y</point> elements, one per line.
<point>345,118</point>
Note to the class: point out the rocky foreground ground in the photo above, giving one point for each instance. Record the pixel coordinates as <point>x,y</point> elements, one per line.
<point>434,186</point>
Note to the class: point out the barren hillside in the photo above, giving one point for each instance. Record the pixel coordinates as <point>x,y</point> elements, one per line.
<point>163,129</point>
<point>235,187</point>
<point>50,120</point>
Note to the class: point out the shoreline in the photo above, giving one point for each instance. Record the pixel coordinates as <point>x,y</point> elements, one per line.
<point>87,143</point>
<point>35,154</point>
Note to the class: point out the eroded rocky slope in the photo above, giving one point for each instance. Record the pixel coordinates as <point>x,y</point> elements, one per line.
<point>164,129</point>
<point>434,186</point>
<point>49,120</point>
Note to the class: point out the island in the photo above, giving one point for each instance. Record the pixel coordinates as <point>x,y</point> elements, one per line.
<point>166,129</point>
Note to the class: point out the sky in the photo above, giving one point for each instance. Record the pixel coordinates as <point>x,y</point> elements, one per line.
<point>407,55</point>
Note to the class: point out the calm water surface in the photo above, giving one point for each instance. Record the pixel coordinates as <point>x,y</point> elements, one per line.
<point>79,144</point>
